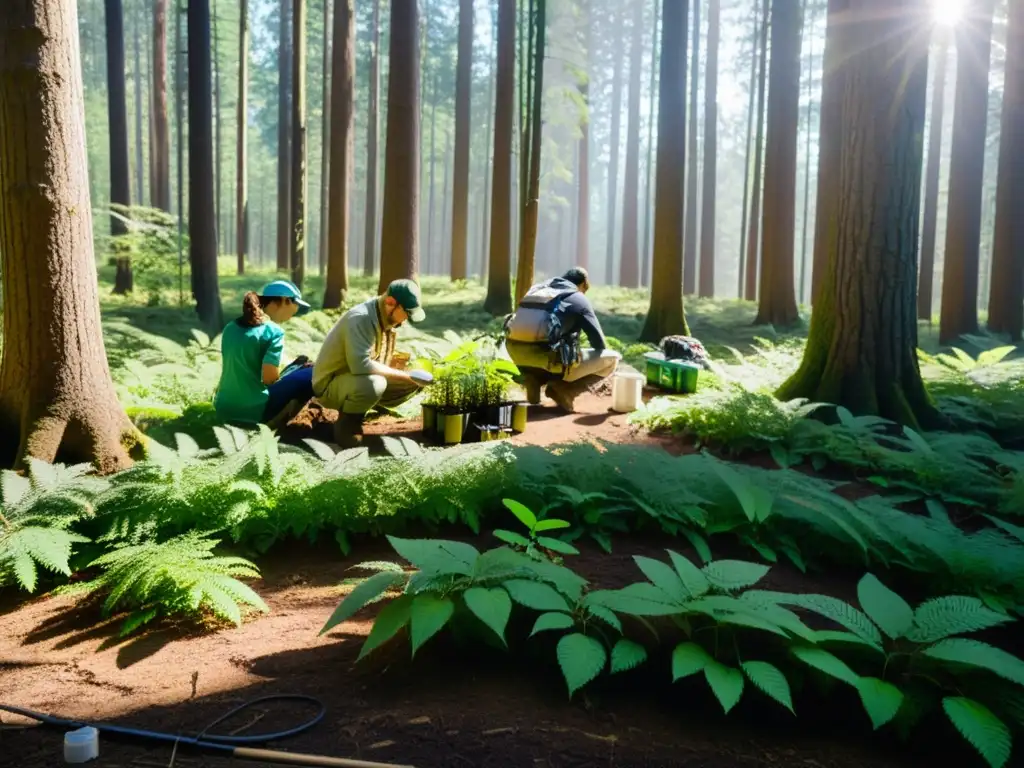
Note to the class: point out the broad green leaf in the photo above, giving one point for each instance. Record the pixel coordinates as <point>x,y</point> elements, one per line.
<point>694,580</point>
<point>605,615</point>
<point>884,607</point>
<point>975,653</point>
<point>830,607</point>
<point>188,448</point>
<point>917,441</point>
<point>700,544</point>
<point>994,356</point>
<point>429,613</point>
<point>522,512</point>
<point>846,418</point>
<point>740,487</point>
<point>834,636</point>
<point>626,655</point>
<point>763,501</point>
<point>952,615</point>
<point>824,661</point>
<point>536,595</point>
<point>581,659</point>
<point>1015,531</point>
<point>641,599</point>
<point>362,594</point>
<point>510,537</point>
<point>390,620</point>
<point>437,556</point>
<point>726,683</point>
<point>881,700</point>
<point>551,525</point>
<point>663,577</point>
<point>492,606</point>
<point>557,545</point>
<point>732,575</point>
<point>688,659</point>
<point>552,620</point>
<point>983,730</point>
<point>769,680</point>
<point>14,487</point>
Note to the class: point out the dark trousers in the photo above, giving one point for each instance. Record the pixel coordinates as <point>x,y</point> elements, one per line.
<point>297,385</point>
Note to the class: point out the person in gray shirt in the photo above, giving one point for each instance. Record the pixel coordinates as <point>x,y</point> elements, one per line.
<point>352,373</point>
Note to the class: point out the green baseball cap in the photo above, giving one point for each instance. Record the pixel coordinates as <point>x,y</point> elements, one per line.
<point>285,290</point>
<point>407,294</point>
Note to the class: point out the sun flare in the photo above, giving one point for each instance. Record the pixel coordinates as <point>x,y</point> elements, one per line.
<point>948,12</point>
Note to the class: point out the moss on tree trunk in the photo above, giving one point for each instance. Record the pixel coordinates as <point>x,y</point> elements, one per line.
<point>861,350</point>
<point>57,401</point>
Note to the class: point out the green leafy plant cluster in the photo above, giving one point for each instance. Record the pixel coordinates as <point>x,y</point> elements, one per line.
<point>900,661</point>
<point>469,377</point>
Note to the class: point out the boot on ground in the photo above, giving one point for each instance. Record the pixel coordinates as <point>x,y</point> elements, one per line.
<point>348,430</point>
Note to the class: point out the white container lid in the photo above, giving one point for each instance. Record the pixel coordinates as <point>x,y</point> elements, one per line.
<point>82,745</point>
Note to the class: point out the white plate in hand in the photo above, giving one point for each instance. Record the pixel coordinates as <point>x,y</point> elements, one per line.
<point>421,377</point>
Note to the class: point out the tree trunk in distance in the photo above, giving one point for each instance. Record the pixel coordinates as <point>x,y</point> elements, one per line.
<point>926,277</point>
<point>445,218</point>
<point>959,312</point>
<point>202,226</point>
<point>51,329</point>
<point>757,191</point>
<point>342,147</point>
<point>399,246</point>
<point>629,257</point>
<point>1006,302</point>
<point>613,160</point>
<point>284,142</point>
<point>372,137</point>
<point>805,220</point>
<point>325,153</point>
<point>665,314</point>
<point>463,90</point>
<point>778,295</point>
<point>218,156</point>
<point>706,286</point>
<point>298,131</point>
<point>180,86</point>
<point>429,250</point>
<point>117,115</point>
<point>140,172</point>
<point>645,258</point>
<point>862,348</point>
<point>485,229</point>
<point>693,167</point>
<point>242,149</point>
<point>583,152</point>
<point>742,271</point>
<point>830,131</point>
<point>161,133</point>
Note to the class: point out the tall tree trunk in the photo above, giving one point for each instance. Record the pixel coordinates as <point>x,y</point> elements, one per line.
<point>463,133</point>
<point>485,230</point>
<point>117,112</point>
<point>708,201</point>
<point>218,165</point>
<point>805,219</point>
<point>830,131</point>
<point>202,226</point>
<point>445,245</point>
<point>693,167</point>
<point>862,348</point>
<point>342,145</point>
<point>284,141</point>
<point>180,87</point>
<point>161,149</point>
<point>325,152</point>
<point>298,130</point>
<point>399,247</point>
<point>372,135</point>
<point>51,329</point>
<point>959,312</point>
<point>645,257</point>
<point>428,257</point>
<point>583,151</point>
<point>926,278</point>
<point>1006,302</point>
<point>140,172</point>
<point>499,290</point>
<point>629,258</point>
<point>242,150</point>
<point>742,271</point>
<point>528,238</point>
<point>754,223</point>
<point>613,160</point>
<point>665,315</point>
<point>778,295</point>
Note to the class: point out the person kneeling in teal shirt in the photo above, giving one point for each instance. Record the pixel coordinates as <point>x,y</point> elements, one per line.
<point>251,388</point>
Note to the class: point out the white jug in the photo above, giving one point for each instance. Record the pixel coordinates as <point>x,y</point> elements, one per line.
<point>627,388</point>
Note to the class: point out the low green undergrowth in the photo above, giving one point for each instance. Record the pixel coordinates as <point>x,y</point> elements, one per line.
<point>901,662</point>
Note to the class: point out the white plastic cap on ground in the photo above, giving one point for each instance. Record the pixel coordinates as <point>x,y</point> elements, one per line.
<point>82,745</point>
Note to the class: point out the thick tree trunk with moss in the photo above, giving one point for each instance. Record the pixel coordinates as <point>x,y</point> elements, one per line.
<point>1006,302</point>
<point>862,348</point>
<point>959,312</point>
<point>51,331</point>
<point>499,288</point>
<point>400,246</point>
<point>665,314</point>
<point>926,275</point>
<point>341,151</point>
<point>778,295</point>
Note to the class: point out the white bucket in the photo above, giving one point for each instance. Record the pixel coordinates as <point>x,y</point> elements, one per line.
<point>627,388</point>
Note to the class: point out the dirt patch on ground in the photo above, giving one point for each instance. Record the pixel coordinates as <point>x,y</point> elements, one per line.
<point>446,708</point>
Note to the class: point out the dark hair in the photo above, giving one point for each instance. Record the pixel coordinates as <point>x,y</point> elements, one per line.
<point>577,276</point>
<point>253,307</point>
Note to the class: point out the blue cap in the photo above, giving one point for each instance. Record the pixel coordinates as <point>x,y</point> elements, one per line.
<point>286,290</point>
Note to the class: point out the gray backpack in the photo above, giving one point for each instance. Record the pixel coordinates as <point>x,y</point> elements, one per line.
<point>535,321</point>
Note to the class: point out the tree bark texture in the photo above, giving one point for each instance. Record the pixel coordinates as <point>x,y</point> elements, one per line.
<point>926,278</point>
<point>645,257</point>
<point>140,146</point>
<point>325,152</point>
<point>742,268</point>
<point>665,314</point>
<point>583,153</point>
<point>342,146</point>
<point>161,149</point>
<point>400,248</point>
<point>284,141</point>
<point>298,130</point>
<point>117,115</point>
<point>463,90</point>
<point>629,257</point>
<point>862,348</point>
<point>706,282</point>
<point>242,147</point>
<point>57,400</point>
<point>693,166</point>
<point>757,191</point>
<point>372,137</point>
<point>613,159</point>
